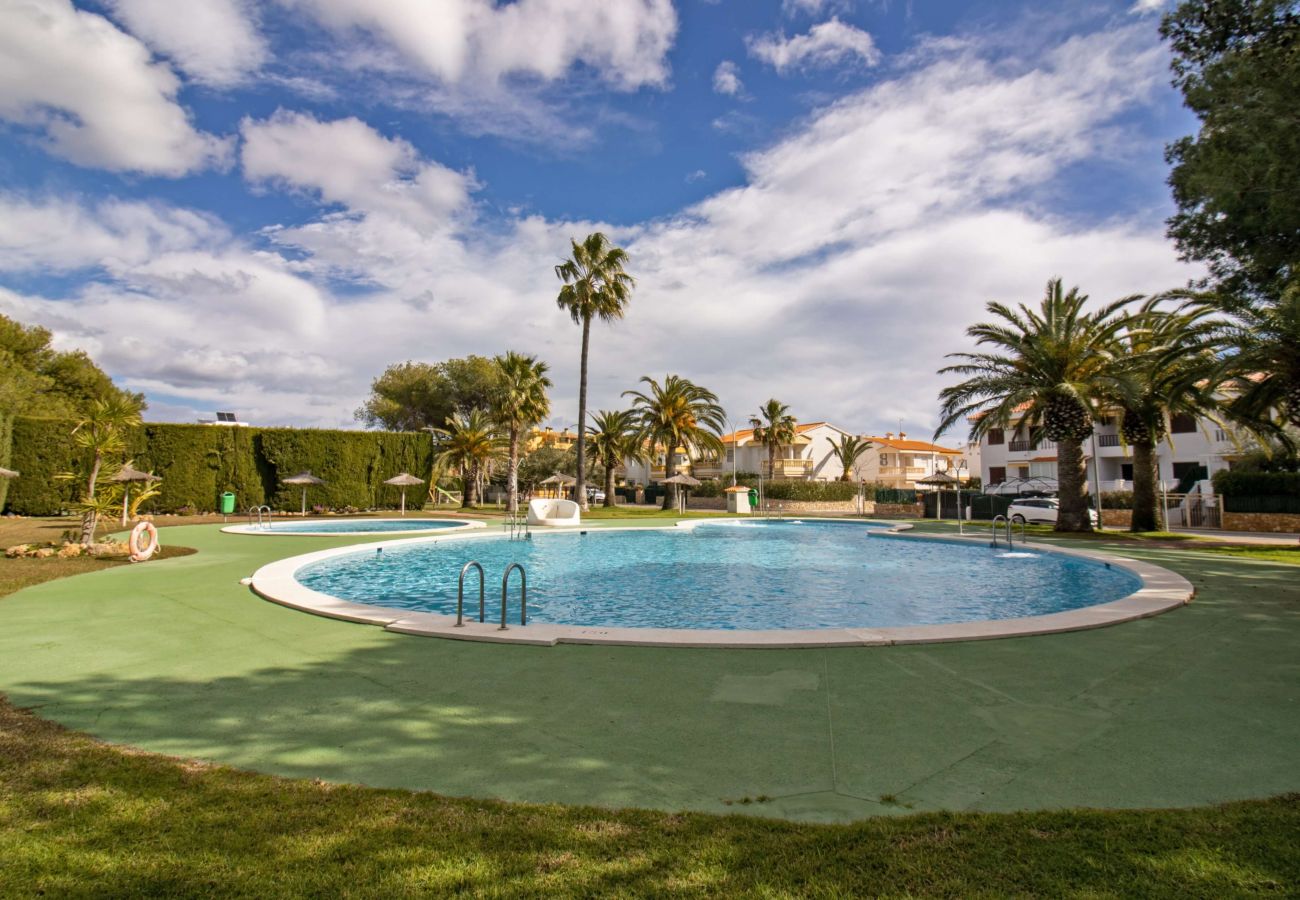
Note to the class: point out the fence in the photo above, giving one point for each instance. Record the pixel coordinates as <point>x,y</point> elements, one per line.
<point>1275,503</point>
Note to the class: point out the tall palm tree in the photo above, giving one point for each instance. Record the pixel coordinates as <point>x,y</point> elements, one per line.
<point>1162,359</point>
<point>774,427</point>
<point>595,287</point>
<point>847,450</point>
<point>613,439</point>
<point>468,443</point>
<point>677,413</point>
<point>102,434</point>
<point>519,403</point>
<point>1048,364</point>
<point>1261,361</point>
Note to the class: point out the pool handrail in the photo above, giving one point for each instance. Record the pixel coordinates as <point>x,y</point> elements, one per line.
<point>523,594</point>
<point>1007,525</point>
<point>460,593</point>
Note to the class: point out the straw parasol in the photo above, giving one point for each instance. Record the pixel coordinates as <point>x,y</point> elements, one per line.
<point>403,481</point>
<point>685,481</point>
<point>560,479</point>
<point>129,475</point>
<point>939,481</point>
<point>306,479</point>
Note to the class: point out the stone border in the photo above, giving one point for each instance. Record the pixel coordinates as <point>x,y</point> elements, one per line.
<point>1161,591</point>
<point>460,525</point>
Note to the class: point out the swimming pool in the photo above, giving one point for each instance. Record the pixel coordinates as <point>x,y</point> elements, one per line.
<point>352,526</point>
<point>729,576</point>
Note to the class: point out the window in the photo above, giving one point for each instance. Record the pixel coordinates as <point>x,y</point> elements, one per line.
<point>1182,424</point>
<point>731,456</point>
<point>884,459</point>
<point>997,474</point>
<point>996,436</point>
<point>1126,471</point>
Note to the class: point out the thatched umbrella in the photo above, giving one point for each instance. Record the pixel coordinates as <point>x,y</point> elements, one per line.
<point>404,480</point>
<point>128,475</point>
<point>560,479</point>
<point>306,479</point>
<point>939,481</point>
<point>685,481</point>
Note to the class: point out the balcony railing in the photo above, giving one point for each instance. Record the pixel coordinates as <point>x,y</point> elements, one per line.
<point>1108,440</point>
<point>1020,446</point>
<point>788,468</point>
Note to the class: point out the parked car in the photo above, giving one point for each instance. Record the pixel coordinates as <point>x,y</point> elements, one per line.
<point>1040,511</point>
<point>595,495</point>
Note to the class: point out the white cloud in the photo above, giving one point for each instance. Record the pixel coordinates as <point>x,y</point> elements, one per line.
<point>726,79</point>
<point>697,175</point>
<point>94,93</point>
<point>1145,7</point>
<point>828,43</point>
<point>865,241</point>
<point>213,41</point>
<point>814,7</point>
<point>348,162</point>
<point>56,234</point>
<point>625,41</point>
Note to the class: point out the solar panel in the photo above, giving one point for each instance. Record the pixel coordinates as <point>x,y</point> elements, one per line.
<point>226,417</point>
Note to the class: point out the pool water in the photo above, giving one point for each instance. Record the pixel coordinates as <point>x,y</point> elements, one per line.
<point>750,575</point>
<point>360,526</point>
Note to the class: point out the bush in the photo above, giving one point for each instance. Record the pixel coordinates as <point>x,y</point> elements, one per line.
<point>1117,500</point>
<point>810,491</point>
<point>1237,483</point>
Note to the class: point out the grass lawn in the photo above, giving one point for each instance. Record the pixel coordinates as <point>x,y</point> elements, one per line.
<point>1263,554</point>
<point>81,817</point>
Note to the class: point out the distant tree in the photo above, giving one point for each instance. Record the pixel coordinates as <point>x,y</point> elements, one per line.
<point>544,462</point>
<point>1046,366</point>
<point>677,413</point>
<point>595,287</point>
<point>774,428</point>
<point>469,443</point>
<point>1237,181</point>
<point>1259,366</point>
<point>413,396</point>
<point>847,450</point>
<point>519,403</point>
<point>613,438</point>
<point>36,379</point>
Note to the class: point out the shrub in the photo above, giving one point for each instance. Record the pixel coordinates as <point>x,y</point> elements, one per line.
<point>810,491</point>
<point>1236,483</point>
<point>1117,500</point>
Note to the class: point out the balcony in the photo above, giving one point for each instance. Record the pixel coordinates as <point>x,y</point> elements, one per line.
<point>788,468</point>
<point>1108,440</point>
<point>1019,446</point>
<point>708,468</point>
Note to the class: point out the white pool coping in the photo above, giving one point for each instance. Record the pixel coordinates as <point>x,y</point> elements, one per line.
<point>458,526</point>
<point>1161,591</point>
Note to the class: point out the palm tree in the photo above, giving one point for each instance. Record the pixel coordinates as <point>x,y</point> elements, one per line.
<point>1162,359</point>
<point>614,439</point>
<point>519,403</point>
<point>1261,362</point>
<point>847,451</point>
<point>774,427</point>
<point>468,443</point>
<point>1047,364</point>
<point>595,287</point>
<point>678,413</point>
<point>102,433</point>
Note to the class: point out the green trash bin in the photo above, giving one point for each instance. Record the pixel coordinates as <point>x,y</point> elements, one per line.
<point>753,498</point>
<point>227,503</point>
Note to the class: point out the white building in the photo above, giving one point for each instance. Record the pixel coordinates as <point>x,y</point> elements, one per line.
<point>1194,450</point>
<point>900,461</point>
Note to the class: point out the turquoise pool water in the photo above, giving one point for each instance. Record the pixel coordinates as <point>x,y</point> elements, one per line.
<point>360,526</point>
<point>747,575</point>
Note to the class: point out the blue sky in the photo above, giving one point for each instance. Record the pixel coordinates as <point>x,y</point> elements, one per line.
<point>260,206</point>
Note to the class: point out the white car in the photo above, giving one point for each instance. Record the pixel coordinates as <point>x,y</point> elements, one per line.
<point>1040,511</point>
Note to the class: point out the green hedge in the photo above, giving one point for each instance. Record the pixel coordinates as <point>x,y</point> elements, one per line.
<point>198,462</point>
<point>816,491</point>
<point>1236,483</point>
<point>6,445</point>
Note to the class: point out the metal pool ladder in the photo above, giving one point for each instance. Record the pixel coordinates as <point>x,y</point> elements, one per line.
<point>517,524</point>
<point>505,584</point>
<point>1008,526</point>
<point>257,512</point>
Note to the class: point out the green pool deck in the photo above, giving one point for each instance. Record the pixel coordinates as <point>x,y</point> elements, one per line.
<point>1196,706</point>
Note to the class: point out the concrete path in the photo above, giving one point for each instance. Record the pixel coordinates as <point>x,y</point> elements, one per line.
<point>1196,706</point>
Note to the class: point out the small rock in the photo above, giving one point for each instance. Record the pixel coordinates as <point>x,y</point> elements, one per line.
<point>16,551</point>
<point>45,553</point>
<point>70,550</point>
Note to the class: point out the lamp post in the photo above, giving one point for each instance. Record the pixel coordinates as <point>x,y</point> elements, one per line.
<point>732,426</point>
<point>961,466</point>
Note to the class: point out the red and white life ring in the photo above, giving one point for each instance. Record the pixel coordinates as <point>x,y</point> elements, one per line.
<point>141,547</point>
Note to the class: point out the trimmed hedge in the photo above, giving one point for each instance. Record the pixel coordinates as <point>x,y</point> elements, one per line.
<point>198,462</point>
<point>1237,483</point>
<point>6,445</point>
<point>815,491</point>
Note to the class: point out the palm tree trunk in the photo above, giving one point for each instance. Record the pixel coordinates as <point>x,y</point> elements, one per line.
<point>1146,516</point>
<point>670,490</point>
<point>89,519</point>
<point>1073,512</point>
<point>771,461</point>
<point>580,486</point>
<point>609,484</point>
<point>469,488</point>
<point>512,476</point>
